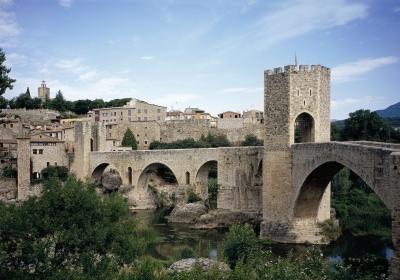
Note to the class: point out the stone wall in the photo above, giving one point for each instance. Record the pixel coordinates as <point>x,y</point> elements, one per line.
<point>179,130</point>
<point>240,179</point>
<point>8,189</point>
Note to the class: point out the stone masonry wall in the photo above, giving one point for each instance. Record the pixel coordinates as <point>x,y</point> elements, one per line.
<point>240,179</point>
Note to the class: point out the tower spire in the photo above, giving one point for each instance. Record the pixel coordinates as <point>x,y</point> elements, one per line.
<point>295,59</point>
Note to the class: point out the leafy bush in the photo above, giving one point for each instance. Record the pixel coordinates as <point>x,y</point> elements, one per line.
<point>209,141</point>
<point>193,197</point>
<point>55,172</point>
<point>68,233</point>
<point>240,243</point>
<point>330,229</point>
<point>252,140</point>
<point>10,172</point>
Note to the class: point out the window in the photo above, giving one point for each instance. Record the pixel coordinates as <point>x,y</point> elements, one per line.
<point>187,177</point>
<point>11,125</point>
<point>34,151</point>
<point>129,119</point>
<point>40,151</point>
<point>138,111</point>
<point>298,92</point>
<point>138,118</point>
<point>145,142</point>
<point>121,114</point>
<point>145,118</point>
<point>145,111</point>
<point>137,135</point>
<point>158,118</point>
<point>310,92</point>
<point>48,163</point>
<point>55,163</point>
<point>158,111</point>
<point>129,112</point>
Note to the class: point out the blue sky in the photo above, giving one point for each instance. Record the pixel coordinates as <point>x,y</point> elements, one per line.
<point>206,53</point>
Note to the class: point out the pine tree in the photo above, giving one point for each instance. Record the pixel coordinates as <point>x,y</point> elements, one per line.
<point>129,140</point>
<point>5,80</point>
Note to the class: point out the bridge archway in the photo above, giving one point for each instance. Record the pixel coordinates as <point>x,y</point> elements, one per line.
<point>304,128</point>
<point>97,174</point>
<point>307,203</point>
<point>206,181</point>
<point>154,174</point>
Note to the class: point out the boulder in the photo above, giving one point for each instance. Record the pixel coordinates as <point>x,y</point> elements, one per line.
<point>187,213</point>
<point>224,218</point>
<point>203,263</point>
<point>111,181</point>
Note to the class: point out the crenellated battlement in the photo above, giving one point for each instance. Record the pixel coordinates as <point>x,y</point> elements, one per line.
<point>296,69</point>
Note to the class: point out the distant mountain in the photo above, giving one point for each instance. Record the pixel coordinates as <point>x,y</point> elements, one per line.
<point>392,111</point>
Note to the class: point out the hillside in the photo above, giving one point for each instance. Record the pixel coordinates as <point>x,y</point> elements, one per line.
<point>392,111</point>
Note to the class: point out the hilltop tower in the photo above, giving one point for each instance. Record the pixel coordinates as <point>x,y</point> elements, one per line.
<point>296,109</point>
<point>44,92</point>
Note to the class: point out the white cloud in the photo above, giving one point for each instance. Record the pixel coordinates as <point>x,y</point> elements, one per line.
<point>352,70</point>
<point>65,3</point>
<point>74,65</point>
<point>305,16</point>
<point>147,58</point>
<point>243,90</point>
<point>341,107</point>
<point>9,29</point>
<point>15,59</point>
<point>89,75</point>
<point>175,100</point>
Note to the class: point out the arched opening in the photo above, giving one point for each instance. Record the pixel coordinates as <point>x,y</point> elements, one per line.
<point>363,215</point>
<point>98,173</point>
<point>106,177</point>
<point>91,145</point>
<point>187,175</point>
<point>207,182</point>
<point>156,175</point>
<point>304,128</point>
<point>130,175</point>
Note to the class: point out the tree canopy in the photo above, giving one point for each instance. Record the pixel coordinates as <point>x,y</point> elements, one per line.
<point>129,140</point>
<point>252,140</point>
<point>5,81</point>
<point>68,233</point>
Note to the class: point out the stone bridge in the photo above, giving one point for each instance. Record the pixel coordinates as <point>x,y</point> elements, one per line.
<point>239,171</point>
<point>308,202</point>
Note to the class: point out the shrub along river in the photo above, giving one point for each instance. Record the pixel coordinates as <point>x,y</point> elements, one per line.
<point>175,241</point>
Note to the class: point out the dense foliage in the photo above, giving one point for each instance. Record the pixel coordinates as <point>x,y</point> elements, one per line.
<point>55,172</point>
<point>59,103</point>
<point>68,233</point>
<point>359,209</point>
<point>129,140</point>
<point>365,125</point>
<point>9,172</point>
<point>209,141</point>
<point>252,140</point>
<point>5,81</point>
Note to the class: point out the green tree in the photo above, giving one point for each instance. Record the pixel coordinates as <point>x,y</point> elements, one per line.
<point>129,140</point>
<point>68,233</point>
<point>81,107</point>
<point>3,102</point>
<point>365,125</point>
<point>55,172</point>
<point>5,81</point>
<point>252,140</point>
<point>240,242</point>
<point>58,102</point>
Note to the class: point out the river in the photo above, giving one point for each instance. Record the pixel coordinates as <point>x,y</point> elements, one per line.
<point>175,238</point>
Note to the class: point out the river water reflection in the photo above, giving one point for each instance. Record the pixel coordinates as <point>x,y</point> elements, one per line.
<point>173,238</point>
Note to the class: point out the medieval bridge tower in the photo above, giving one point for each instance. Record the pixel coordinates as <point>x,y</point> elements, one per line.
<point>296,109</point>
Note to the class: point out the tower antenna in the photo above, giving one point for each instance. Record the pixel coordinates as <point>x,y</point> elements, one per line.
<point>295,59</point>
